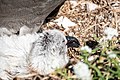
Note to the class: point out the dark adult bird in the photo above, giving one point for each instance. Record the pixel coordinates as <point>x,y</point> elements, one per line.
<point>31,13</point>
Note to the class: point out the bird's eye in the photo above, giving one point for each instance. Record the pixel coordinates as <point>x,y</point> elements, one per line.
<point>47,33</point>
<point>63,41</point>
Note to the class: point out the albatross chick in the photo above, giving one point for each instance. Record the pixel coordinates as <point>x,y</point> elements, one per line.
<point>41,53</point>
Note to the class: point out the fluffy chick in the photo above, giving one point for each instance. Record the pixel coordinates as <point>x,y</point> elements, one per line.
<point>38,52</point>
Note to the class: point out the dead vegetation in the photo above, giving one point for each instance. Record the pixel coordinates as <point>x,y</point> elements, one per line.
<point>91,17</point>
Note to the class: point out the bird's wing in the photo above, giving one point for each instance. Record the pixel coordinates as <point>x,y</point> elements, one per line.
<point>14,53</point>
<point>17,45</point>
<point>14,14</point>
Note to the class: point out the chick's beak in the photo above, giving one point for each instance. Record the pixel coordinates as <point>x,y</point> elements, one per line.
<point>72,42</point>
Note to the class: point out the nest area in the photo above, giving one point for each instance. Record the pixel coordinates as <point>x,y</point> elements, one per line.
<point>90,23</point>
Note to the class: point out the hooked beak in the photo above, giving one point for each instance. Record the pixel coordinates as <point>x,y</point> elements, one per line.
<point>72,42</point>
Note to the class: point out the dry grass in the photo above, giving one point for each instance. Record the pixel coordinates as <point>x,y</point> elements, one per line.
<point>90,26</point>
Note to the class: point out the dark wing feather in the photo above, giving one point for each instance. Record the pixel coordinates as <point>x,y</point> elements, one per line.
<point>16,13</point>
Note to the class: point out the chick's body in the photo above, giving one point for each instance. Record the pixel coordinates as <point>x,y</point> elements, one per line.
<point>38,52</point>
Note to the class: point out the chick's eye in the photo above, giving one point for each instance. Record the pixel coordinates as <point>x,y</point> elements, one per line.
<point>63,41</point>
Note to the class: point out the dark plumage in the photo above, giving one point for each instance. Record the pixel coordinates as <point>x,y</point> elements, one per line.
<point>32,13</point>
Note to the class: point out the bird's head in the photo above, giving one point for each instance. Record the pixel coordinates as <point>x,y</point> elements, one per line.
<point>56,39</point>
<point>50,51</point>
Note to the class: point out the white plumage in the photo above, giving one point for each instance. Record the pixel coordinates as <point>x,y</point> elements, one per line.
<point>38,52</point>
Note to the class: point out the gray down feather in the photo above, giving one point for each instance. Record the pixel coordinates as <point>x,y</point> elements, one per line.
<point>41,53</point>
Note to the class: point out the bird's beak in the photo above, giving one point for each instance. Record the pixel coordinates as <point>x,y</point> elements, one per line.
<point>72,42</point>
